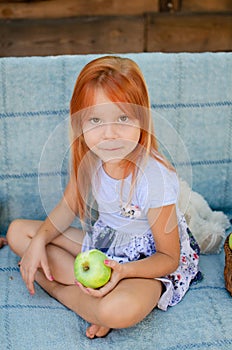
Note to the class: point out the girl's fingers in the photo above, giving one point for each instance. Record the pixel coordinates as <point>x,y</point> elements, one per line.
<point>101,292</point>
<point>110,263</point>
<point>47,271</point>
<point>31,288</point>
<point>28,278</point>
<point>97,293</point>
<point>93,292</point>
<point>30,283</point>
<point>114,265</point>
<point>84,289</point>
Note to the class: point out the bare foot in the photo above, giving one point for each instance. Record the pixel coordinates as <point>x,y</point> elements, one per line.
<point>53,288</point>
<point>95,331</point>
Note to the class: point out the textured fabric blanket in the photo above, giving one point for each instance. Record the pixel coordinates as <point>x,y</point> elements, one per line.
<point>201,321</point>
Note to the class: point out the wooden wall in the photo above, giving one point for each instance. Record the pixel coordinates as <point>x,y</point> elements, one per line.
<point>52,27</point>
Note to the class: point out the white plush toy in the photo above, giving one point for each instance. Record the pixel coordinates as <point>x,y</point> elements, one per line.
<point>206,225</point>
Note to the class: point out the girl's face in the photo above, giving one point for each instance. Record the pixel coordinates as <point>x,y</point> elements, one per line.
<point>108,131</point>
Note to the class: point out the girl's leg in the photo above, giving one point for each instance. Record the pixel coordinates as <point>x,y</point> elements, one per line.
<point>129,303</point>
<point>64,248</point>
<point>133,290</point>
<point>20,233</point>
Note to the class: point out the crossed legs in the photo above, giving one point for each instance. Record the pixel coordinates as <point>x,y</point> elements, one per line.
<point>127,304</point>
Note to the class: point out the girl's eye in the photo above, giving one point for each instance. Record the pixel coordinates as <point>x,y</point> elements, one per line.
<point>95,121</point>
<point>123,119</point>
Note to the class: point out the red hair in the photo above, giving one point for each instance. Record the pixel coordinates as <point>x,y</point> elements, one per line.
<point>122,82</point>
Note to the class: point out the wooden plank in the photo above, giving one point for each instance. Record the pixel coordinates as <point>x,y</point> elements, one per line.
<point>73,8</point>
<point>170,5</point>
<point>71,36</point>
<point>192,33</point>
<point>206,5</point>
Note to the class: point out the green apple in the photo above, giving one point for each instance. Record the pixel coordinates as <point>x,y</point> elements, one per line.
<point>90,270</point>
<point>230,241</point>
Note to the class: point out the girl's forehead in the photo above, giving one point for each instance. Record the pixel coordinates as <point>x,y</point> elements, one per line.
<point>107,112</point>
<point>103,105</point>
<point>107,109</point>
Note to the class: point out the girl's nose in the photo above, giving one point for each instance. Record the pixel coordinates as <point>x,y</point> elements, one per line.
<point>110,130</point>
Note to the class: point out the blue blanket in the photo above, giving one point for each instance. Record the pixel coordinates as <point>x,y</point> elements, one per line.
<point>202,320</point>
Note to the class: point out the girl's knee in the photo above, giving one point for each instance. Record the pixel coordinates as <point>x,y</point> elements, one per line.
<point>16,233</point>
<point>13,231</point>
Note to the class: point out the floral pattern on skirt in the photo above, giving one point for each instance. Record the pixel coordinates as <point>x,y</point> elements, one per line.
<point>118,246</point>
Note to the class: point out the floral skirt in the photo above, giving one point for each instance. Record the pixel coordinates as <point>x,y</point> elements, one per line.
<point>123,248</point>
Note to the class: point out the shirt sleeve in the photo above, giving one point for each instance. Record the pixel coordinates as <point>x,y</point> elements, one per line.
<point>158,186</point>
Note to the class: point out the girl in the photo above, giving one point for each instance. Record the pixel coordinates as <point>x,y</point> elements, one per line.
<point>117,171</point>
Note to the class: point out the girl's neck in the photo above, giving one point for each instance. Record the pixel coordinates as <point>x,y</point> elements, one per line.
<point>115,170</point>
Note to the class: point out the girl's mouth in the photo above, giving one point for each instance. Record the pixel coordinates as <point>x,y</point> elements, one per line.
<point>111,149</point>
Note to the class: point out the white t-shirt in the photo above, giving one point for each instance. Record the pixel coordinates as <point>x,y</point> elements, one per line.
<point>157,186</point>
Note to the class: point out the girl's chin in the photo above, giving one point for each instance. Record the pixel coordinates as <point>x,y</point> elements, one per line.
<point>110,157</point>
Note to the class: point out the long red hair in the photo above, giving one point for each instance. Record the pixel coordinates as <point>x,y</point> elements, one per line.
<point>122,82</point>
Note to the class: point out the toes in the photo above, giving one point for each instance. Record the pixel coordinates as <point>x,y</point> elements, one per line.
<point>92,330</point>
<point>95,331</point>
<point>102,332</point>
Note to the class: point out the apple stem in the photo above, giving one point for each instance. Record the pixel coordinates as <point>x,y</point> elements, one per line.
<point>85,266</point>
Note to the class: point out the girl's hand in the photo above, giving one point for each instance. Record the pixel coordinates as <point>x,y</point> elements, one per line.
<point>116,276</point>
<point>34,257</point>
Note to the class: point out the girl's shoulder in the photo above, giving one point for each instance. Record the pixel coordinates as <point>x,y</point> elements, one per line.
<point>156,169</point>
<point>157,185</point>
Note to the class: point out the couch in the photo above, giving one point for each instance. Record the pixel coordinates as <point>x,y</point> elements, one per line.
<point>191,101</point>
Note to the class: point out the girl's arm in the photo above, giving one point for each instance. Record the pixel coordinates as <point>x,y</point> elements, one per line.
<point>60,217</point>
<point>163,222</point>
<point>164,226</point>
<point>57,222</point>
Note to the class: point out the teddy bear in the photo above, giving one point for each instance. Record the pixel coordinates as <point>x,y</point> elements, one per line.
<point>207,226</point>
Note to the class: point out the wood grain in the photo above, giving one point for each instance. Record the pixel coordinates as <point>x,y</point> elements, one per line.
<point>53,27</point>
<point>73,8</point>
<point>189,33</point>
<point>72,36</point>
<point>206,5</point>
